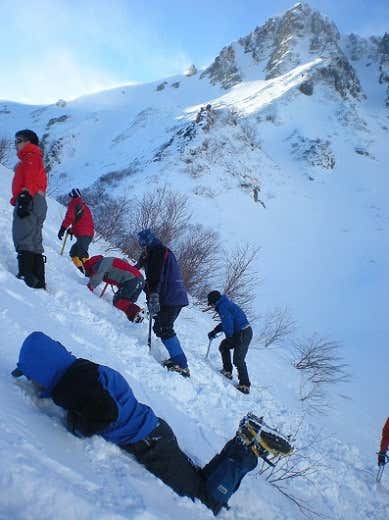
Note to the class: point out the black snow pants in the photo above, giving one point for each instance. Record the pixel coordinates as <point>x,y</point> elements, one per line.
<point>160,453</point>
<point>239,343</point>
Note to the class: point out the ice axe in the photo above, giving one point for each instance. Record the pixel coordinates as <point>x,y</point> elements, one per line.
<point>209,346</point>
<point>149,335</point>
<point>381,469</point>
<point>64,242</point>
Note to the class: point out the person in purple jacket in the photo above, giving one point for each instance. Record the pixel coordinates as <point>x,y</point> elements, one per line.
<point>166,296</point>
<point>99,400</point>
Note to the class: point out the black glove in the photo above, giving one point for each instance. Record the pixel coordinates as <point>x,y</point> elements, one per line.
<point>61,232</point>
<point>212,334</point>
<point>24,204</point>
<point>382,458</point>
<point>153,304</point>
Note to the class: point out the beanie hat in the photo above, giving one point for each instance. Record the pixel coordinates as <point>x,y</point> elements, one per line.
<point>74,193</point>
<point>213,297</point>
<point>146,238</point>
<point>27,135</point>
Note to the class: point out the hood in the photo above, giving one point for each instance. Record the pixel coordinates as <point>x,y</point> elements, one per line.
<point>44,360</point>
<point>91,265</point>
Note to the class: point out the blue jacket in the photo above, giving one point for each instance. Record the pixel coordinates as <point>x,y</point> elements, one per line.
<point>92,392</point>
<point>233,319</point>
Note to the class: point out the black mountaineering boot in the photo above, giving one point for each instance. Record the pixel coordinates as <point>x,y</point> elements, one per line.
<point>39,270</point>
<point>26,268</point>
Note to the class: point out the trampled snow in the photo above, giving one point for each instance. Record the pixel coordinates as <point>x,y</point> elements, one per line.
<point>324,239</point>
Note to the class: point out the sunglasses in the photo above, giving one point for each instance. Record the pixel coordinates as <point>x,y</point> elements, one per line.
<point>18,140</point>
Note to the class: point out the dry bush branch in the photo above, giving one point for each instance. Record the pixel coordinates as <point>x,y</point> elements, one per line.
<point>321,366</point>
<point>241,279</point>
<point>5,150</point>
<point>278,325</point>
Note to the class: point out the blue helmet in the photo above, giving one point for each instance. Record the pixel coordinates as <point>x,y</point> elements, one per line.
<point>146,237</point>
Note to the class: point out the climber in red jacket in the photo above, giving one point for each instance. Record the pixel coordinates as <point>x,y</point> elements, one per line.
<point>384,444</point>
<point>78,221</point>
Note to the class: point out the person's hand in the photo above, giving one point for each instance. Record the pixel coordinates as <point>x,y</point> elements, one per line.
<point>70,233</point>
<point>24,204</point>
<point>382,458</point>
<point>61,232</point>
<point>90,287</point>
<point>153,304</point>
<point>212,334</point>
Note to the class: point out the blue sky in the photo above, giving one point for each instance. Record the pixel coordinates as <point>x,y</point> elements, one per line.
<point>55,49</point>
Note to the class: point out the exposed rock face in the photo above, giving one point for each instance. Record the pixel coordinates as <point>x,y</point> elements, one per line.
<point>281,44</point>
<point>191,71</point>
<point>384,65</point>
<point>224,69</point>
<point>316,152</point>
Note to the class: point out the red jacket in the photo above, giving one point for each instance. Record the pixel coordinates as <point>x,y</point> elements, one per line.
<point>30,174</point>
<point>385,436</point>
<point>79,216</point>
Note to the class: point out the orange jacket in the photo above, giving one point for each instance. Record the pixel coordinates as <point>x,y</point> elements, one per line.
<point>30,174</point>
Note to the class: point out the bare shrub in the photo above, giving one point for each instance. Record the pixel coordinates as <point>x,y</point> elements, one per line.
<point>302,464</point>
<point>249,134</point>
<point>198,259</point>
<point>241,279</point>
<point>278,324</point>
<point>321,366</point>
<point>109,215</point>
<point>5,150</point>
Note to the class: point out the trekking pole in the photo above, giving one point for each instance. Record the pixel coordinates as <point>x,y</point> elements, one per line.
<point>64,242</point>
<point>209,346</point>
<point>381,470</point>
<point>149,336</point>
<point>104,289</point>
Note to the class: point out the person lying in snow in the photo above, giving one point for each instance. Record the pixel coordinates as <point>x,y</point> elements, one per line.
<point>123,275</point>
<point>238,333</point>
<point>384,444</point>
<point>99,401</point>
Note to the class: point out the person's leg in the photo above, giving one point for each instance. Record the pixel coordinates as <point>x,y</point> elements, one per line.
<point>224,349</point>
<point>126,295</point>
<point>79,251</point>
<point>164,328</point>
<point>224,473</point>
<point>39,212</point>
<point>239,356</point>
<point>162,456</point>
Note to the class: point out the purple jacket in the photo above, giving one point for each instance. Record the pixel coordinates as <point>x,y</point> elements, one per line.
<point>163,275</point>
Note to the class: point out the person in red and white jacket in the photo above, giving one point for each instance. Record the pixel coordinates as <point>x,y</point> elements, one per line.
<point>119,273</point>
<point>28,196</point>
<point>384,444</point>
<point>78,221</point>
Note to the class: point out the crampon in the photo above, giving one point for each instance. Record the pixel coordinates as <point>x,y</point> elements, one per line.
<point>262,439</point>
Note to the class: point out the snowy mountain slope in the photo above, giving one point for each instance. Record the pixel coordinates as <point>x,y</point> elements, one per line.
<point>93,479</point>
<point>320,159</point>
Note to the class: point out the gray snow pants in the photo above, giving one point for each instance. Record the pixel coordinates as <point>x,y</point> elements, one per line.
<point>27,231</point>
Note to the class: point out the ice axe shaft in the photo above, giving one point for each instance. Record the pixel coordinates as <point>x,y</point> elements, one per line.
<point>149,335</point>
<point>104,289</point>
<point>64,242</point>
<point>209,346</point>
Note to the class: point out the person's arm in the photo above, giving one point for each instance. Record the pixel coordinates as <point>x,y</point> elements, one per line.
<point>155,261</point>
<point>97,277</point>
<point>385,437</point>
<point>227,323</point>
<point>69,216</point>
<point>91,409</point>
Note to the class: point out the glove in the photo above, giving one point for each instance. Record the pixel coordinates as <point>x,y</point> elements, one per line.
<point>24,204</point>
<point>90,287</point>
<point>212,334</point>
<point>61,232</point>
<point>153,304</point>
<point>382,458</point>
